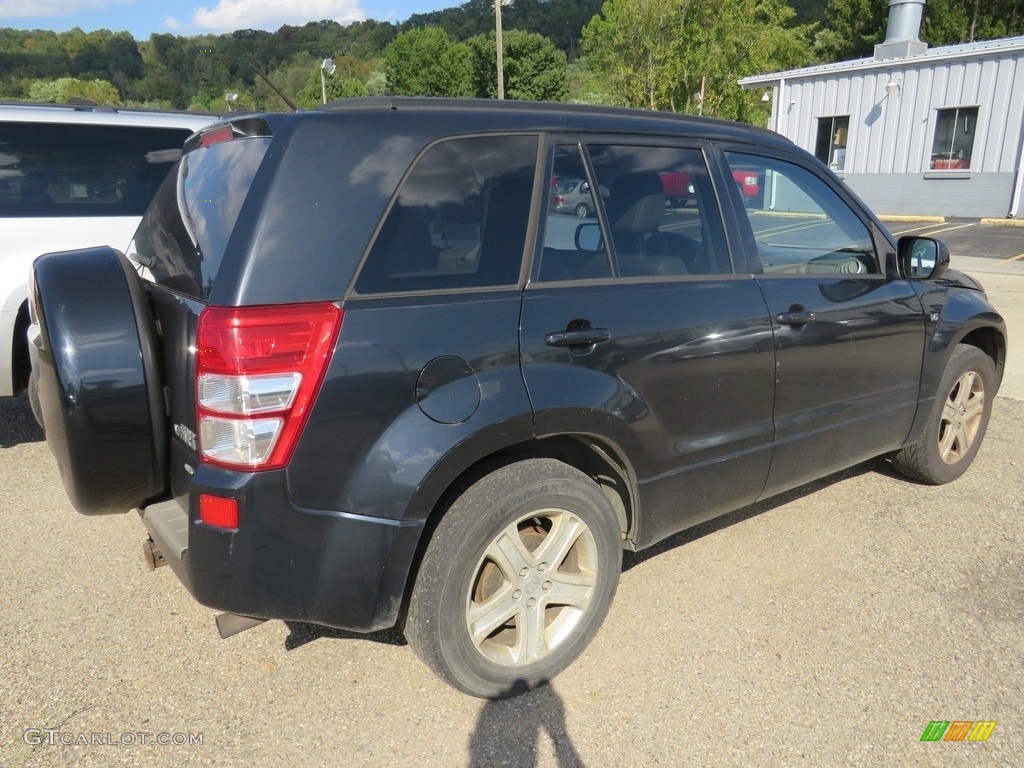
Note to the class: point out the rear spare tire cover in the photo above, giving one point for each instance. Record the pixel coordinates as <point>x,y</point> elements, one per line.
<point>100,388</point>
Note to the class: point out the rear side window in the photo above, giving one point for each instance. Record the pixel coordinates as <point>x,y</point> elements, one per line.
<point>182,238</point>
<point>55,170</point>
<point>460,219</point>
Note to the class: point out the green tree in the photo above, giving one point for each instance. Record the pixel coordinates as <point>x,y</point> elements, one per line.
<point>157,89</point>
<point>534,68</point>
<point>338,87</point>
<point>588,85</point>
<point>425,62</point>
<point>852,28</point>
<point>67,88</point>
<point>686,55</point>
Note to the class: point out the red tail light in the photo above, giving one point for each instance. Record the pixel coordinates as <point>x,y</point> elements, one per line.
<point>258,370</point>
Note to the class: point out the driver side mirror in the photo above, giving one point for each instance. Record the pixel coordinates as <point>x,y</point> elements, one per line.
<point>921,258</point>
<point>588,238</point>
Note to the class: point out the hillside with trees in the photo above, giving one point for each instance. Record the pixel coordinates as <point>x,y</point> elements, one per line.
<point>682,55</point>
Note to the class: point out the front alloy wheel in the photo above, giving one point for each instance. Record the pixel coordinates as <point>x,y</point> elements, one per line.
<point>962,416</point>
<point>958,420</point>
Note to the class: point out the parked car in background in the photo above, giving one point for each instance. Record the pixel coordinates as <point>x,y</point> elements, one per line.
<point>72,176</point>
<point>354,371</point>
<point>573,196</point>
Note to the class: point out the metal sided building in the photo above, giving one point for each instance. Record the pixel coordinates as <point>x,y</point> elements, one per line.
<point>913,130</point>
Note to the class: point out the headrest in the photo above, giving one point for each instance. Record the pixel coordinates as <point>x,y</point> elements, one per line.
<point>636,202</point>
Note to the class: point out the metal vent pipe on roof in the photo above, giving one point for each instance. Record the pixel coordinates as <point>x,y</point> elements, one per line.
<point>901,36</point>
<point>904,20</point>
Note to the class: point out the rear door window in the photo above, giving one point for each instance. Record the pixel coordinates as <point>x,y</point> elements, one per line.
<point>460,220</point>
<point>661,216</point>
<point>55,170</point>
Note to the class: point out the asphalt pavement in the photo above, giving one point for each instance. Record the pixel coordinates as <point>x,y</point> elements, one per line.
<point>826,627</point>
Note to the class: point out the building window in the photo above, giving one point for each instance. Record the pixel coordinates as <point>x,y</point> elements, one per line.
<point>830,146</point>
<point>954,138</point>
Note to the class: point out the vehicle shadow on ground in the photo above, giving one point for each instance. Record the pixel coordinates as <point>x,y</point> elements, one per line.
<point>507,730</point>
<point>878,466</point>
<point>300,633</point>
<point>17,424</point>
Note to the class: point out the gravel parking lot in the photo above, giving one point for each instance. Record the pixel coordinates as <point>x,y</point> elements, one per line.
<point>826,627</point>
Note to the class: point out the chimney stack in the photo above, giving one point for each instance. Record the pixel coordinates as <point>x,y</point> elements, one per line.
<point>902,34</point>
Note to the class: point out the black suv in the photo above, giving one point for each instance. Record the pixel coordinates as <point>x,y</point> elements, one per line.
<point>354,371</point>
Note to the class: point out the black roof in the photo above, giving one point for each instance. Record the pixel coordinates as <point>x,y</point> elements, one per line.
<point>561,116</point>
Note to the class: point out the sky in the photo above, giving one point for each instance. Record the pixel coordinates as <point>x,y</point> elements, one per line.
<point>193,17</point>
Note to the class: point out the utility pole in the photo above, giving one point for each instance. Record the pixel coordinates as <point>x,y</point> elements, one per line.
<point>500,47</point>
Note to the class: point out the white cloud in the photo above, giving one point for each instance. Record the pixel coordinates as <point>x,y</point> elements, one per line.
<point>10,9</point>
<point>172,23</point>
<point>229,15</point>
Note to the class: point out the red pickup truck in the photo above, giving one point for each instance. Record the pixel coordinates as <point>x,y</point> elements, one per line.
<point>678,186</point>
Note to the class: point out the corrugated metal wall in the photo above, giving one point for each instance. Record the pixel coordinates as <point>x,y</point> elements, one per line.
<point>892,133</point>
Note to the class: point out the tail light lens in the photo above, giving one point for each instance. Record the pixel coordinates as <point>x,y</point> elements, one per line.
<point>258,370</point>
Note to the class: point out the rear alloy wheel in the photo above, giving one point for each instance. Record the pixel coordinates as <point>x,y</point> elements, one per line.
<point>957,423</point>
<point>582,210</point>
<point>516,580</point>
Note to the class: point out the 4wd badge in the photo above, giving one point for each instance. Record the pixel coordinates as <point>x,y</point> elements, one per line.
<point>186,435</point>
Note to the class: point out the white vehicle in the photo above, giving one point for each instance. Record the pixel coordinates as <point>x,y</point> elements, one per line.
<point>72,176</point>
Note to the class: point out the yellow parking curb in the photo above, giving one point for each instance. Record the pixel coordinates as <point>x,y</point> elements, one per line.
<point>898,217</point>
<point>1005,222</point>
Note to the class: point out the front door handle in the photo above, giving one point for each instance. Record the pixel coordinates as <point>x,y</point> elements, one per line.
<point>797,319</point>
<point>581,338</point>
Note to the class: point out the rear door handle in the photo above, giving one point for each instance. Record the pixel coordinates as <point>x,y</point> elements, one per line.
<point>803,317</point>
<point>581,338</point>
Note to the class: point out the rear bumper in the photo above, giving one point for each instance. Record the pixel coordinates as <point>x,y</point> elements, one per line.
<point>336,569</point>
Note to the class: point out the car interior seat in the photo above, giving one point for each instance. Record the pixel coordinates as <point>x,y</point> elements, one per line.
<point>636,208</point>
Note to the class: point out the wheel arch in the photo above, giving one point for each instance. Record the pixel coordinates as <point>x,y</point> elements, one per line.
<point>992,342</point>
<point>599,459</point>
<point>985,331</point>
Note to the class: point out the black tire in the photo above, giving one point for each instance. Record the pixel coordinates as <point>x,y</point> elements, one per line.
<point>582,211</point>
<point>957,422</point>
<point>546,504</point>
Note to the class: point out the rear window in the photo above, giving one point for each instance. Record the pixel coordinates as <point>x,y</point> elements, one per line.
<point>56,170</point>
<point>460,219</point>
<point>182,238</point>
